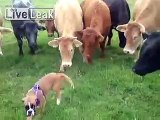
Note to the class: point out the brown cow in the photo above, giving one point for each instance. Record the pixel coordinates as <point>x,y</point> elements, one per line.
<point>146,19</point>
<point>50,26</point>
<point>97,23</point>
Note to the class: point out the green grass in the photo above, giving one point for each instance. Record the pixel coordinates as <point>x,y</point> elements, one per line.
<point>106,90</point>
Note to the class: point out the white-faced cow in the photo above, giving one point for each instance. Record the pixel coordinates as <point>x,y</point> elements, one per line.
<point>68,19</point>
<point>146,19</point>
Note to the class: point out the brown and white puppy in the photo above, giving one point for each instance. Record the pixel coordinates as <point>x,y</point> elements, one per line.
<point>36,97</point>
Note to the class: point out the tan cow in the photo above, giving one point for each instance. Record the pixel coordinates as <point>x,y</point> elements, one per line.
<point>146,19</point>
<point>97,22</point>
<point>3,30</point>
<point>68,19</point>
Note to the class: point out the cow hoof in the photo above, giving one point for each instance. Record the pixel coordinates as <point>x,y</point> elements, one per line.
<point>108,44</point>
<point>1,53</point>
<point>21,54</point>
<point>102,56</point>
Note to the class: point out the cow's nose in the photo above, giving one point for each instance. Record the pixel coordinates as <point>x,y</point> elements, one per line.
<point>50,35</point>
<point>126,51</point>
<point>67,64</point>
<point>89,59</point>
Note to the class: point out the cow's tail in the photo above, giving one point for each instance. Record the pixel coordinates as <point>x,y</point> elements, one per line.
<point>68,79</point>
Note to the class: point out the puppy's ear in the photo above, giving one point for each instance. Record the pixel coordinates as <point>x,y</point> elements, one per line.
<point>23,99</point>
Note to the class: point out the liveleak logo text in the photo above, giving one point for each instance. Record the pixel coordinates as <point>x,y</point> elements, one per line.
<point>29,13</point>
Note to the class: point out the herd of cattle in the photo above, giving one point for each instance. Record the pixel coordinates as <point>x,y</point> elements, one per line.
<point>89,26</point>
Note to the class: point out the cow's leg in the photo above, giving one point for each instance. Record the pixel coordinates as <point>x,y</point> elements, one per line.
<point>102,46</point>
<point>110,37</point>
<point>33,46</point>
<point>20,43</point>
<point>122,39</point>
<point>1,53</point>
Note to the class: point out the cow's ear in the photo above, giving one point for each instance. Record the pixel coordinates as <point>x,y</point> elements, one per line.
<point>53,43</point>
<point>42,28</point>
<point>142,28</point>
<point>100,38</point>
<point>5,30</point>
<point>77,43</point>
<point>79,34</point>
<point>122,28</point>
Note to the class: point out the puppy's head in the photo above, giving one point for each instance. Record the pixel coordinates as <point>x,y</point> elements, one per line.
<point>30,104</point>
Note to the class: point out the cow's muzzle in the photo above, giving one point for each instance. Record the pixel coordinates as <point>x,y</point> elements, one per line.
<point>50,34</point>
<point>128,51</point>
<point>65,65</point>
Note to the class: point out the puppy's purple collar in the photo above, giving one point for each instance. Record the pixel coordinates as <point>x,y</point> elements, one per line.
<point>38,91</point>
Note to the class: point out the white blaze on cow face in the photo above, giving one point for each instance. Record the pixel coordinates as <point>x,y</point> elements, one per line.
<point>133,33</point>
<point>66,48</point>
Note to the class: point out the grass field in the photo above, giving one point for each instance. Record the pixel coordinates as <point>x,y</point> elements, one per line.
<point>106,90</point>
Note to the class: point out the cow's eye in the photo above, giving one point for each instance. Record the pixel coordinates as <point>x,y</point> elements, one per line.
<point>71,50</point>
<point>135,37</point>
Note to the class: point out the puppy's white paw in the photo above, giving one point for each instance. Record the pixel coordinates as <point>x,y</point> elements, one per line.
<point>58,101</point>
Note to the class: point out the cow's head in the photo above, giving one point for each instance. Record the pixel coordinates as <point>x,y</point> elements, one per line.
<point>66,47</point>
<point>91,40</point>
<point>3,30</point>
<point>149,59</point>
<point>133,33</point>
<point>49,24</point>
<point>30,29</point>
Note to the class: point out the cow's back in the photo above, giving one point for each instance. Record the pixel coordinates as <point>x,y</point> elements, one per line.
<point>68,17</point>
<point>96,13</point>
<point>146,12</point>
<point>120,12</point>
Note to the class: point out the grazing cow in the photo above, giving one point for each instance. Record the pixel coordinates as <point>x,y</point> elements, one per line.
<point>25,28</point>
<point>68,19</point>
<point>97,22</point>
<point>146,19</point>
<point>3,30</point>
<point>120,14</point>
<point>50,26</point>
<point>149,59</point>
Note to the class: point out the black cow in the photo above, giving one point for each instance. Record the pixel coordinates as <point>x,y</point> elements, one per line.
<point>120,14</point>
<point>149,59</point>
<point>25,28</point>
